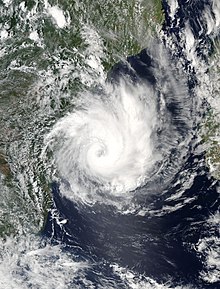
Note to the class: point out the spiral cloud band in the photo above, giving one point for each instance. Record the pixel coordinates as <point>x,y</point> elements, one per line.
<point>121,139</point>
<point>109,142</point>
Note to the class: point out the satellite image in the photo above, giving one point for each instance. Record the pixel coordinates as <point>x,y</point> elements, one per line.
<point>110,144</point>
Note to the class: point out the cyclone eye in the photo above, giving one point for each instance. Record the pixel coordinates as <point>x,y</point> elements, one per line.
<point>100,153</point>
<point>109,143</point>
<point>123,140</point>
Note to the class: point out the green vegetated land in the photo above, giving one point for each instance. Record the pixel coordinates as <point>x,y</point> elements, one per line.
<point>124,28</point>
<point>211,126</point>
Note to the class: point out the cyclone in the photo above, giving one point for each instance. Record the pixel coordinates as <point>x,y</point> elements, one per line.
<point>125,135</point>
<point>109,147</point>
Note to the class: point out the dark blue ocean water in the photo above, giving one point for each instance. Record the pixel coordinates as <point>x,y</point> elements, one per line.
<point>157,245</point>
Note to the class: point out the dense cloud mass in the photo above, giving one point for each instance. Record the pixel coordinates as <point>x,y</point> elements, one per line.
<point>109,149</point>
